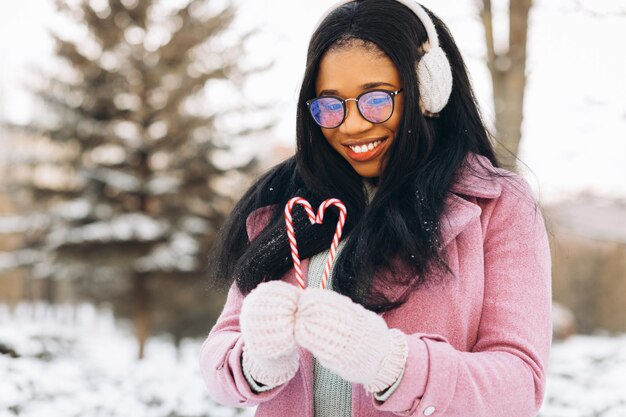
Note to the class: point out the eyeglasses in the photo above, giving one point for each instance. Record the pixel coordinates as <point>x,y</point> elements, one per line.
<point>375,106</point>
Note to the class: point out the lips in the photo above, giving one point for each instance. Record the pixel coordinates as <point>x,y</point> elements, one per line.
<point>355,150</point>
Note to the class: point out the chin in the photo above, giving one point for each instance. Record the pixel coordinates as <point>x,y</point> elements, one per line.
<point>372,172</point>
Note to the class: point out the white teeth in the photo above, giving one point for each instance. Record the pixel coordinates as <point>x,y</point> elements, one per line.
<point>365,148</point>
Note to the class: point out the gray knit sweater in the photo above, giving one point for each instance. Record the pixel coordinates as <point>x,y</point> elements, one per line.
<point>332,394</point>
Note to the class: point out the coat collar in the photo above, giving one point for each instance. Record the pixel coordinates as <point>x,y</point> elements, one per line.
<point>474,178</point>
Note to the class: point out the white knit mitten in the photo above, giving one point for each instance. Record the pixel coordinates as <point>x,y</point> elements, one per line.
<point>267,318</point>
<point>350,340</point>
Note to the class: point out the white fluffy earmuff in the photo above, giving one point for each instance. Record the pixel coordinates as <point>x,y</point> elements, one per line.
<point>433,69</point>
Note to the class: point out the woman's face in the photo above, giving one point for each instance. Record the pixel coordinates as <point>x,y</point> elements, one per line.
<point>347,72</point>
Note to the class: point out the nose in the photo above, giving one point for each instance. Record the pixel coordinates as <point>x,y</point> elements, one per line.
<point>354,123</point>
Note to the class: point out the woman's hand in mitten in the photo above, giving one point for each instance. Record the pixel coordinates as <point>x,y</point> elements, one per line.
<point>350,340</point>
<point>267,321</point>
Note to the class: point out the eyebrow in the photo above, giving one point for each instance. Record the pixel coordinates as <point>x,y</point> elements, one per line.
<point>365,86</point>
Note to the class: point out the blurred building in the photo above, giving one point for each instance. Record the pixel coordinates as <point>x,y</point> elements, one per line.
<point>27,157</point>
<point>588,243</point>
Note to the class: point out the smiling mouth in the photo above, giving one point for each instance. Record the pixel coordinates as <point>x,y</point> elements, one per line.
<point>365,147</point>
<point>366,151</point>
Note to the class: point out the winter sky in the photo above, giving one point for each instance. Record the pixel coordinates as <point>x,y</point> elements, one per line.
<point>574,132</point>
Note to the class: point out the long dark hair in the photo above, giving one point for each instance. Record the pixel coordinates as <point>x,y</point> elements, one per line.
<point>397,231</point>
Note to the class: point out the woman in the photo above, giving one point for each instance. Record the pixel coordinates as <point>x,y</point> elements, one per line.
<point>439,300</point>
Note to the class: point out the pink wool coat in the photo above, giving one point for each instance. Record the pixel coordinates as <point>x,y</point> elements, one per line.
<point>478,342</point>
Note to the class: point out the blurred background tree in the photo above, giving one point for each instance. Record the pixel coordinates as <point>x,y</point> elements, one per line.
<point>507,66</point>
<point>143,171</point>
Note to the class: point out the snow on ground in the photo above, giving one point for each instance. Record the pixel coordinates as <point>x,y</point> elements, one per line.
<point>80,362</point>
<point>587,378</point>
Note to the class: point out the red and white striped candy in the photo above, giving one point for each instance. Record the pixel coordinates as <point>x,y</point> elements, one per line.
<point>319,219</point>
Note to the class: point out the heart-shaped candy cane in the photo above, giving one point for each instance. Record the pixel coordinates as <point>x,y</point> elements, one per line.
<point>319,219</point>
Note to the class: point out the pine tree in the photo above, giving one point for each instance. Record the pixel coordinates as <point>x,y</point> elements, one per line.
<point>143,192</point>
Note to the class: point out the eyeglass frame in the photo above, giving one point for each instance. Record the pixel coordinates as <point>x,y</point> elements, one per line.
<point>343,101</point>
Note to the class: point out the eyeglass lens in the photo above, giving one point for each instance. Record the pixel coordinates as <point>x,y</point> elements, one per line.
<point>329,112</point>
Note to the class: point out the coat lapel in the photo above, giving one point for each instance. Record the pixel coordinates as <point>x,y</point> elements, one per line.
<point>473,182</point>
<point>457,215</point>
